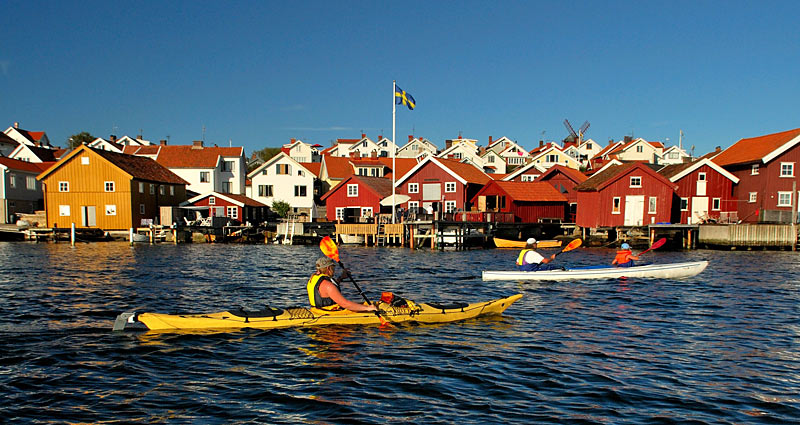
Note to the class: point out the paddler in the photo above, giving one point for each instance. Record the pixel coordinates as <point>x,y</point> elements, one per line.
<point>624,256</point>
<point>529,260</point>
<point>323,289</point>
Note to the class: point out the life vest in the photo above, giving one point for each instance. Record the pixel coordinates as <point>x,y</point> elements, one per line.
<point>521,258</point>
<point>622,256</point>
<point>315,298</point>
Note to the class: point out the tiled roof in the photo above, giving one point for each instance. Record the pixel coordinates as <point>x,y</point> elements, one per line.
<point>338,167</point>
<point>598,179</point>
<point>140,150</point>
<point>16,164</point>
<point>403,165</point>
<point>572,173</point>
<point>468,172</point>
<point>530,191</point>
<point>312,166</point>
<point>755,148</point>
<point>33,136</point>
<point>367,162</point>
<point>140,167</point>
<point>188,156</point>
<point>497,176</point>
<point>380,185</point>
<point>244,199</point>
<point>673,169</point>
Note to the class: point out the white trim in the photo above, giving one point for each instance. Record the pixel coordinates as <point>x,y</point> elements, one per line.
<point>752,197</point>
<point>411,172</point>
<point>777,152</point>
<point>781,192</point>
<point>216,194</point>
<point>680,204</point>
<point>619,210</point>
<point>698,164</point>
<point>275,159</point>
<point>780,170</point>
<point>523,169</point>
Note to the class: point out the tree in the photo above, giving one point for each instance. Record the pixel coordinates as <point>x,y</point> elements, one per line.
<point>82,138</point>
<point>265,155</point>
<point>281,208</point>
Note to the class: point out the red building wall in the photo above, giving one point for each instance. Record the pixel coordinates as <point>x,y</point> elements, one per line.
<point>432,174</point>
<point>531,212</point>
<point>219,202</point>
<point>717,186</point>
<point>595,208</point>
<point>339,199</point>
<point>766,184</point>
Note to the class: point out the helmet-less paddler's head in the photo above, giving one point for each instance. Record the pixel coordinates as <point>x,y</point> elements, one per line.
<point>323,263</point>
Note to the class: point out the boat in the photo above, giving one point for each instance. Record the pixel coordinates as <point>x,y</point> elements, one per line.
<point>508,243</point>
<point>274,318</point>
<point>658,271</point>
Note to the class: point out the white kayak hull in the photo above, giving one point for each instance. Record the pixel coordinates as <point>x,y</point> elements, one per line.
<point>654,271</point>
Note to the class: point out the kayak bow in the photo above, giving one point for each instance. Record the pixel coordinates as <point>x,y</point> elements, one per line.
<point>659,271</point>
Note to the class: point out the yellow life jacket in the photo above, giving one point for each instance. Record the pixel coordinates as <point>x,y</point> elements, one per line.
<point>521,258</point>
<point>315,298</point>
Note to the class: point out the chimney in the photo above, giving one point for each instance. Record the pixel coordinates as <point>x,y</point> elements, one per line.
<point>16,124</point>
<point>197,144</point>
<point>410,137</point>
<point>291,141</point>
<point>628,139</point>
<point>113,138</point>
<point>380,137</point>
<point>717,149</point>
<point>610,142</point>
<point>373,155</point>
<point>541,143</point>
<point>490,140</point>
<point>363,135</point>
<point>162,142</point>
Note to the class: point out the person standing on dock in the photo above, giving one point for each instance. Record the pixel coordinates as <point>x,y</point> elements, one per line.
<point>529,260</point>
<point>624,256</point>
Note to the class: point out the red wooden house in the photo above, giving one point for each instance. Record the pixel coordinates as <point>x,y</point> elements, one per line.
<point>705,192</point>
<point>441,184</point>
<point>631,194</point>
<point>528,201</point>
<point>236,208</point>
<point>564,179</point>
<point>356,198</point>
<point>768,182</point>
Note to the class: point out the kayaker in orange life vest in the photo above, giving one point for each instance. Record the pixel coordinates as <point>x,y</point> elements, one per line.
<point>323,289</point>
<point>624,257</point>
<point>530,260</point>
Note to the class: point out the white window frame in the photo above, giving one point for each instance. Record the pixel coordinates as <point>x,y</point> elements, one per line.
<point>232,212</point>
<point>449,206</point>
<point>413,188</point>
<point>30,183</point>
<point>12,180</point>
<point>161,189</point>
<point>753,197</point>
<point>366,211</point>
<point>790,166</point>
<point>111,209</point>
<point>716,204</point>
<point>297,191</point>
<point>212,200</point>
<point>63,211</point>
<point>701,177</point>
<point>205,177</point>
<point>63,186</point>
<point>450,187</point>
<point>618,201</point>
<point>413,204</point>
<point>754,170</point>
<point>639,149</point>
<point>109,186</point>
<point>652,205</point>
<point>84,160</point>
<point>686,206</point>
<point>352,190</point>
<point>636,185</point>
<point>785,202</point>
<point>340,213</point>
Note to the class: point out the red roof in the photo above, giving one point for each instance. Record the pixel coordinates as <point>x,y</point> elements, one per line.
<point>403,165</point>
<point>189,156</point>
<point>140,167</point>
<point>571,173</point>
<point>243,199</point>
<point>312,166</point>
<point>338,167</point>
<point>16,164</point>
<point>468,172</point>
<point>755,148</point>
<point>141,150</point>
<point>614,172</point>
<point>380,185</point>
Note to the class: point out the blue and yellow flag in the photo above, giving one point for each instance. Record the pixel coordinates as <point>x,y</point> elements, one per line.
<point>401,97</point>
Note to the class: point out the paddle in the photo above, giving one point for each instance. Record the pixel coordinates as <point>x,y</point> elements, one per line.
<point>329,248</point>
<point>657,244</point>
<point>570,246</point>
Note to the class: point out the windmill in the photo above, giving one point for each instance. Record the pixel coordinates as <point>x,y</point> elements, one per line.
<point>577,137</point>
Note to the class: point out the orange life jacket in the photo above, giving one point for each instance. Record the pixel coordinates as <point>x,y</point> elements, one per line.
<point>623,256</point>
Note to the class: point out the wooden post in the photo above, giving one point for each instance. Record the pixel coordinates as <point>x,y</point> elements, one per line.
<point>130,235</point>
<point>689,240</point>
<point>652,236</point>
<point>72,234</point>
<point>175,235</point>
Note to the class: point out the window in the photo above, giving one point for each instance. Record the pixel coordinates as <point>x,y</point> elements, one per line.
<point>30,183</point>
<point>84,160</point>
<point>12,180</point>
<point>109,186</point>
<point>366,212</point>
<point>161,189</point>
<point>491,159</point>
<point>152,189</point>
<point>640,149</point>
<point>701,177</point>
<point>753,197</point>
<point>141,209</point>
<point>63,187</point>
<point>63,210</point>
<point>352,190</point>
<point>233,212</point>
<point>450,187</point>
<point>551,158</point>
<point>205,176</point>
<point>715,204</point>
<point>340,213</point>
<point>282,169</point>
<point>589,146</point>
<point>301,173</point>
<point>684,204</point>
<point>636,181</point>
<point>171,190</point>
<point>413,205</point>
<point>787,169</point>
<point>141,187</point>
<point>784,199</point>
<point>111,210</point>
<point>754,170</point>
<point>300,191</point>
<point>226,187</point>
<point>265,190</point>
<point>615,205</point>
<point>528,177</point>
<point>457,155</point>
<point>449,206</point>
<point>228,165</point>
<point>413,188</point>
<point>653,201</point>
<point>212,200</point>
<point>516,160</point>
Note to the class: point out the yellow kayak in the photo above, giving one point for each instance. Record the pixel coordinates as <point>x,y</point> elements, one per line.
<point>507,243</point>
<point>273,318</point>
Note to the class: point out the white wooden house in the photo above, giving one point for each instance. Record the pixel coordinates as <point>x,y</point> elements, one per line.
<point>206,168</point>
<point>417,146</point>
<point>284,179</point>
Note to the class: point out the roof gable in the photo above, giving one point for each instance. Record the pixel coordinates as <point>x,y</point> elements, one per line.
<point>761,148</point>
<point>238,200</point>
<point>678,171</point>
<point>189,156</point>
<point>523,169</point>
<point>283,156</point>
<point>611,174</point>
<point>571,173</point>
<point>380,186</point>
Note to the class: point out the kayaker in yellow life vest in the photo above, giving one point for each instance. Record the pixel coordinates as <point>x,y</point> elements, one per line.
<point>624,257</point>
<point>530,260</point>
<point>323,289</point>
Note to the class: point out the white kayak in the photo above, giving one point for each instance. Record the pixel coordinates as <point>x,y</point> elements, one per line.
<point>658,271</point>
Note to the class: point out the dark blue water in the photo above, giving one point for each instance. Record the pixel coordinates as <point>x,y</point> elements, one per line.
<point>723,347</point>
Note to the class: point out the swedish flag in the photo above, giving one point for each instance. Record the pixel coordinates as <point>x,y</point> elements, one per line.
<point>401,97</point>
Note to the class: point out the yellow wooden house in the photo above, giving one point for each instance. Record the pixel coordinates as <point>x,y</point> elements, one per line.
<point>110,191</point>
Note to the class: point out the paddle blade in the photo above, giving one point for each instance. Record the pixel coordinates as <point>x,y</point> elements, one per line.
<point>659,243</point>
<point>329,248</point>
<point>572,245</point>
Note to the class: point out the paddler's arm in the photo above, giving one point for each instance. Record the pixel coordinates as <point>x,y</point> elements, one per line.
<point>328,290</point>
<point>547,260</point>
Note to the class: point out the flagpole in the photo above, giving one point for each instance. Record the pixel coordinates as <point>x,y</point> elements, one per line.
<point>394,168</point>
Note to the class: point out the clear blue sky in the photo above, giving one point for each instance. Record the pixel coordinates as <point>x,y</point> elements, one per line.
<point>260,73</point>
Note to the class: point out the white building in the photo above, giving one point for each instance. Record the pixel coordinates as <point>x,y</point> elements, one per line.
<point>284,179</point>
<point>206,168</point>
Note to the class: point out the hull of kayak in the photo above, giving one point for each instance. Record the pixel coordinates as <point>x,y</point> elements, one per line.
<point>304,317</point>
<point>657,271</point>
<point>506,243</point>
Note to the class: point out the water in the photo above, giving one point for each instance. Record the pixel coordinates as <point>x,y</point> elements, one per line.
<point>718,348</point>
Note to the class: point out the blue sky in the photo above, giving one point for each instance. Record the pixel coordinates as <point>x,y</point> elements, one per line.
<point>256,74</point>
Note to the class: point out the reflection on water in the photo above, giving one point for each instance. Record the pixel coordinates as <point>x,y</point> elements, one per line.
<point>718,348</point>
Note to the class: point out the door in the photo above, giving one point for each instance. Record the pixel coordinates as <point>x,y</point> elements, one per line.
<point>701,184</point>
<point>431,192</point>
<point>88,216</point>
<point>699,209</point>
<point>634,210</point>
